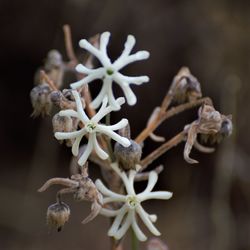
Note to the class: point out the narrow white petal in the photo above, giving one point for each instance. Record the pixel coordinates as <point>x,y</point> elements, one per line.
<point>104,39</point>
<point>161,195</point>
<point>139,234</point>
<point>152,179</point>
<point>131,178</point>
<point>112,101</point>
<point>104,190</point>
<point>117,221</point>
<point>121,124</point>
<point>128,46</point>
<point>98,100</point>
<point>104,130</point>
<point>124,228</point>
<point>68,135</point>
<point>98,54</point>
<point>153,217</point>
<point>86,153</point>
<point>109,213</point>
<point>133,79</point>
<point>112,199</point>
<point>99,151</point>
<point>75,146</point>
<point>96,74</point>
<point>140,55</point>
<point>101,112</point>
<point>90,48</point>
<point>69,112</point>
<point>129,94</point>
<point>82,115</point>
<point>82,69</point>
<point>145,218</point>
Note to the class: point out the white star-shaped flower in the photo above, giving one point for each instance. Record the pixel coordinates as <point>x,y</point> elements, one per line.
<point>109,71</point>
<point>91,128</point>
<point>126,216</point>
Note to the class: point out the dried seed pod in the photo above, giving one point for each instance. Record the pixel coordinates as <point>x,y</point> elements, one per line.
<point>54,67</point>
<point>68,94</point>
<point>53,60</point>
<point>212,127</point>
<point>188,87</point>
<point>225,130</point>
<point>56,98</point>
<point>40,100</point>
<point>128,157</point>
<point>64,124</point>
<point>57,215</point>
<point>86,190</point>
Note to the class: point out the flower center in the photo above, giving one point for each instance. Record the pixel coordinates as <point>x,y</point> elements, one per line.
<point>132,201</point>
<point>110,71</point>
<point>90,127</point>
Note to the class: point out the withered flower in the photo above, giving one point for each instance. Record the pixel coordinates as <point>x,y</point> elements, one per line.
<point>54,67</point>
<point>82,188</point>
<point>57,215</point>
<point>40,100</point>
<point>211,124</point>
<point>188,87</point>
<point>64,124</point>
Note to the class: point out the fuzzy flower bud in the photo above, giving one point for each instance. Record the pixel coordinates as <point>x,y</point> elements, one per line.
<point>57,215</point>
<point>40,100</point>
<point>128,157</point>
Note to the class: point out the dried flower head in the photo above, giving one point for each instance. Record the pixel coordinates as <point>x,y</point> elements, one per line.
<point>92,128</point>
<point>40,100</point>
<point>57,215</point>
<point>64,124</point>
<point>53,60</point>
<point>225,131</point>
<point>188,87</point>
<point>109,72</point>
<point>126,216</point>
<point>210,123</point>
<point>82,188</point>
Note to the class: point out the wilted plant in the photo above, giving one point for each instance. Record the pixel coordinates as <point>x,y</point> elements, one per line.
<point>121,165</point>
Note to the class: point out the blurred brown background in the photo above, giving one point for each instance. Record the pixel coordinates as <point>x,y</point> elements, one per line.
<point>211,203</point>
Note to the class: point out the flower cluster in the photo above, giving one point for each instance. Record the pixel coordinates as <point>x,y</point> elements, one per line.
<point>92,128</point>
<point>109,71</point>
<point>126,216</point>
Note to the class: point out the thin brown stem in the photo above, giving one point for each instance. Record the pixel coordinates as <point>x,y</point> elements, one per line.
<point>68,45</point>
<point>162,149</point>
<point>166,115</point>
<point>46,78</point>
<point>58,181</point>
<point>183,107</point>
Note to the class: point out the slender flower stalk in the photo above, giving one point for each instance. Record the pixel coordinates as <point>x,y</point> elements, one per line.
<point>126,216</point>
<point>92,128</point>
<point>109,72</point>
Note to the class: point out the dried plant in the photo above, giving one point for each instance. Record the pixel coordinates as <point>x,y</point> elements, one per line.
<point>121,165</point>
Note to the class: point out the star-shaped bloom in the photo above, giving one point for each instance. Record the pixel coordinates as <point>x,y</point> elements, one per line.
<point>126,216</point>
<point>92,128</point>
<point>109,72</point>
